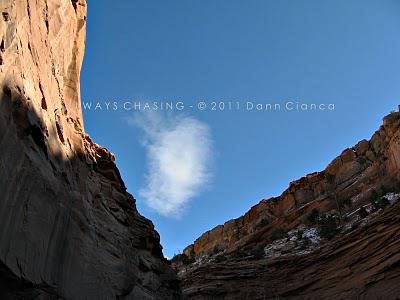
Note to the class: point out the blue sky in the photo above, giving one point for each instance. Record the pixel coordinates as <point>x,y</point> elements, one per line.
<point>341,52</point>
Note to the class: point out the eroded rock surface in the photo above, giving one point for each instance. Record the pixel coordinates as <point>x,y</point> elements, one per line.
<point>68,228</point>
<point>330,235</point>
<point>362,265</point>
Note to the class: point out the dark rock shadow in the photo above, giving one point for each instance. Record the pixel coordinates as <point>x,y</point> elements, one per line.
<point>68,228</point>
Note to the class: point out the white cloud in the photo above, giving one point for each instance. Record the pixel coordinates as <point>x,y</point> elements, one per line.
<point>178,157</point>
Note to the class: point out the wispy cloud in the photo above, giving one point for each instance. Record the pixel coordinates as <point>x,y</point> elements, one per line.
<point>179,156</point>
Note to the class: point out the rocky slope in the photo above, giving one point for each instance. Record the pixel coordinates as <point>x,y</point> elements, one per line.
<point>330,235</point>
<point>362,265</point>
<point>68,228</point>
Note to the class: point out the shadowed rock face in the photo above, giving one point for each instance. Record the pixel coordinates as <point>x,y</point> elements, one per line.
<point>241,260</point>
<point>68,228</point>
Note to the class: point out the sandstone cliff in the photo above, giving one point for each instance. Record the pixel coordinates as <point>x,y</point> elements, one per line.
<point>68,228</point>
<point>330,235</point>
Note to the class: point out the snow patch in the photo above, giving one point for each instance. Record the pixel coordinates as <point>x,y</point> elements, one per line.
<point>392,197</point>
<point>300,241</point>
<point>312,234</point>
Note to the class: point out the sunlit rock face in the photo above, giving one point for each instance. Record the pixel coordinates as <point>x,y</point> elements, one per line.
<point>68,228</point>
<point>370,166</point>
<point>274,252</point>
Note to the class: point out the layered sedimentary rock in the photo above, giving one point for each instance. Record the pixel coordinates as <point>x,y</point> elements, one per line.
<point>239,260</point>
<point>362,265</point>
<point>68,228</point>
<point>368,167</point>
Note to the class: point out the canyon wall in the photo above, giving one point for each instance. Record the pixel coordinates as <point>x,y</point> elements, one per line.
<point>68,228</point>
<point>370,167</point>
<point>364,264</point>
<point>331,235</point>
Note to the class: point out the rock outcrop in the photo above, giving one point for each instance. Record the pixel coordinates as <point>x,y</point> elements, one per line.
<point>362,265</point>
<point>68,228</point>
<point>367,168</point>
<point>265,253</point>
